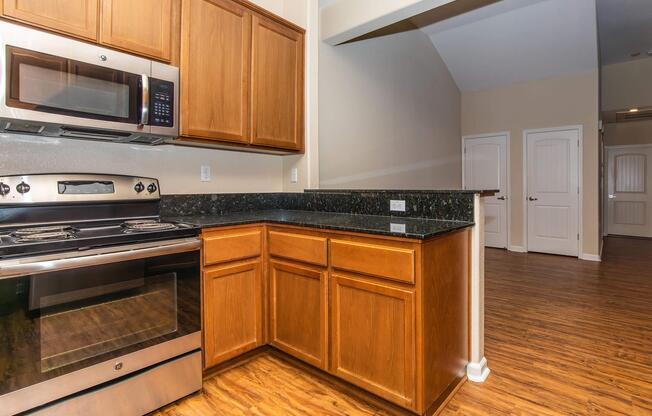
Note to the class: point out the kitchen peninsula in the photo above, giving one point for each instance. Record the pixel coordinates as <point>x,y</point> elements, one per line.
<point>376,299</point>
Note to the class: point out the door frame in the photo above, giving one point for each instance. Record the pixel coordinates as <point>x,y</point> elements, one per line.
<point>605,181</point>
<point>580,132</point>
<point>508,186</point>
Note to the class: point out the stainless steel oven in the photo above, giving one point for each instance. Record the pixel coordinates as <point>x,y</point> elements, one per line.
<point>71,322</point>
<point>54,86</point>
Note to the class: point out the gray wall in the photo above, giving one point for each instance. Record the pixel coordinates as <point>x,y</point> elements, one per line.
<point>389,115</point>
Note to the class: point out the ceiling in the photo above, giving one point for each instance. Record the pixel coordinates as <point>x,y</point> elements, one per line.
<point>624,27</point>
<point>517,40</point>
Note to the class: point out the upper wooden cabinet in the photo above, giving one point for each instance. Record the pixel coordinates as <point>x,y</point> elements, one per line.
<point>145,27</point>
<point>277,85</point>
<point>241,76</point>
<point>71,17</point>
<point>215,62</point>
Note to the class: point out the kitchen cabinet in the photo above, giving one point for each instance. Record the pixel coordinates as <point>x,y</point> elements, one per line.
<point>232,283</point>
<point>388,315</point>
<point>144,27</point>
<point>232,310</point>
<point>71,17</point>
<point>215,64</point>
<point>242,74</point>
<point>277,85</point>
<point>373,336</point>
<point>298,311</point>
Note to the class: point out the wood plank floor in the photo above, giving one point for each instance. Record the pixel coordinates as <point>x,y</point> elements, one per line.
<point>563,337</point>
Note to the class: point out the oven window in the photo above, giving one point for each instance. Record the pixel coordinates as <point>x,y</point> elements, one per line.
<point>48,83</point>
<point>55,323</point>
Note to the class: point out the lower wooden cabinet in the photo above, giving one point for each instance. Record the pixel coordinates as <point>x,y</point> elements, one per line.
<point>233,310</point>
<point>387,315</point>
<point>298,311</point>
<point>373,336</point>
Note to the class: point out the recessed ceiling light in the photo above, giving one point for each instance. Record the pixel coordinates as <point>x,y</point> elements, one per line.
<point>633,110</point>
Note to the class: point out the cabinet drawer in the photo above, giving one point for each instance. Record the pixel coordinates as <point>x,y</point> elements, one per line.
<point>395,263</point>
<point>300,247</point>
<point>221,246</point>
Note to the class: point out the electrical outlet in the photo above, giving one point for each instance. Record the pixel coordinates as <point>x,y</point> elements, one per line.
<point>205,173</point>
<point>294,175</point>
<point>397,228</point>
<point>397,205</point>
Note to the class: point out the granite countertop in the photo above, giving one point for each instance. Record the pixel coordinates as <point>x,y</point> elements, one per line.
<point>418,228</point>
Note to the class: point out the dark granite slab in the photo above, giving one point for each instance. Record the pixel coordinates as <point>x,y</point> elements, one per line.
<point>442,205</point>
<point>417,228</point>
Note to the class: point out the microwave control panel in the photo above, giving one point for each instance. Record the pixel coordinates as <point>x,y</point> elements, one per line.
<point>161,103</point>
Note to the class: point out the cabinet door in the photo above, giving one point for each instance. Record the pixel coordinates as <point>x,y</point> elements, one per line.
<point>215,59</point>
<point>277,82</point>
<point>72,17</point>
<point>233,310</point>
<point>298,308</point>
<point>144,27</point>
<point>373,337</point>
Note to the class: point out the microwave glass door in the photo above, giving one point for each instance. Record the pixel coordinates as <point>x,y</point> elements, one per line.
<point>47,83</point>
<point>58,322</point>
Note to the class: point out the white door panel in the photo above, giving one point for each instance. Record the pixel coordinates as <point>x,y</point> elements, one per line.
<point>485,167</point>
<point>552,192</point>
<point>629,207</point>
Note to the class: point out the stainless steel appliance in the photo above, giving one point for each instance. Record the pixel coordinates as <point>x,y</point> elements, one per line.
<point>99,298</point>
<point>54,86</point>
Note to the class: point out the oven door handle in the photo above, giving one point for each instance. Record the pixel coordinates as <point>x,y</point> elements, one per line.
<point>144,100</point>
<point>11,268</point>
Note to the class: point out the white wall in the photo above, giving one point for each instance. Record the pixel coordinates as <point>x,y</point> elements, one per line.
<point>176,167</point>
<point>389,114</point>
<point>627,84</point>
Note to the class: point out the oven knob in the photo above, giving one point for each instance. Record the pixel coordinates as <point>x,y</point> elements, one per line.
<point>151,188</point>
<point>4,189</point>
<point>139,187</point>
<point>22,188</point>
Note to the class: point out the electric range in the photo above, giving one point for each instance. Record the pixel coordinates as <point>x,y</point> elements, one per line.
<point>98,297</point>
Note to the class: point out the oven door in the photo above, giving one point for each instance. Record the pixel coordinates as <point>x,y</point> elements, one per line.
<point>69,324</point>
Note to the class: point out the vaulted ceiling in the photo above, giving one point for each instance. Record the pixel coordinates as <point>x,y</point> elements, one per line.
<point>517,40</point>
<point>625,28</point>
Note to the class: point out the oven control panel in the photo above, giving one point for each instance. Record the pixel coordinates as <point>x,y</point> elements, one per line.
<point>46,188</point>
<point>161,103</point>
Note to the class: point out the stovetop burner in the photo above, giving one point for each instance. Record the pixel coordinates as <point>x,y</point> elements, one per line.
<point>21,232</point>
<point>148,225</point>
<point>46,236</point>
<point>47,233</point>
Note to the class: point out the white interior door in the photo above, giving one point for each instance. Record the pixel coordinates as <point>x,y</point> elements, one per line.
<point>485,167</point>
<point>553,191</point>
<point>629,207</point>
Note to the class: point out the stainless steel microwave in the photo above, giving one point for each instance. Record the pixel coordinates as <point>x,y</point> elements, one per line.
<point>55,86</point>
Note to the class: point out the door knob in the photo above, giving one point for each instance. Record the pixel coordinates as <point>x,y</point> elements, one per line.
<point>502,198</point>
<point>533,199</point>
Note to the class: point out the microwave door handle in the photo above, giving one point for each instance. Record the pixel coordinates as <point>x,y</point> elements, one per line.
<point>144,101</point>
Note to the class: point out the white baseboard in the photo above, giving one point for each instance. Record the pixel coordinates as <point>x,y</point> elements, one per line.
<point>477,372</point>
<point>517,249</point>
<point>590,257</point>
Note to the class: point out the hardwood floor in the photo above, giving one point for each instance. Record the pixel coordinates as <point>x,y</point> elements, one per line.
<point>267,385</point>
<point>566,337</point>
<point>563,337</point>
